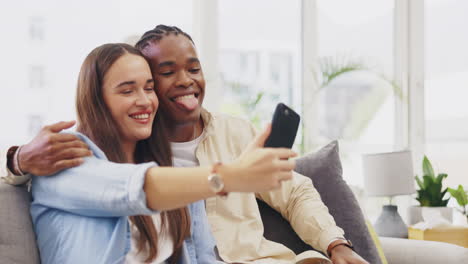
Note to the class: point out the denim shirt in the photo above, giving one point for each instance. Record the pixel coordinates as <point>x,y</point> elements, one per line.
<point>80,215</point>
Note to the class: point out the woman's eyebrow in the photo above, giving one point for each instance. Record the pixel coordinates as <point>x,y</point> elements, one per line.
<point>133,82</point>
<point>125,83</point>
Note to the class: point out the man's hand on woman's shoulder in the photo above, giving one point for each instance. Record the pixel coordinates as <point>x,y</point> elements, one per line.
<point>50,151</point>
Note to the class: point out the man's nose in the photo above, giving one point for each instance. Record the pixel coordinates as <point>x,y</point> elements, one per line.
<point>183,79</point>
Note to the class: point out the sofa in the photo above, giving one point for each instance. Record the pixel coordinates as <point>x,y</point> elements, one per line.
<point>17,242</point>
<point>324,169</point>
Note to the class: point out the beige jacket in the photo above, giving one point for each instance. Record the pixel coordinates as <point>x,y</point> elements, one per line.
<point>236,222</point>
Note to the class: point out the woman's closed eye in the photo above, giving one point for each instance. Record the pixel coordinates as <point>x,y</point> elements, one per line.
<point>127,91</point>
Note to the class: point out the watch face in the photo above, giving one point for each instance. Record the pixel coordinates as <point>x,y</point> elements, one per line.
<point>216,182</point>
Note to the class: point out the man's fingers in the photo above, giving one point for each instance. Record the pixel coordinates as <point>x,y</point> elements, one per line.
<point>64,137</point>
<point>72,153</point>
<point>57,127</point>
<point>62,146</point>
<point>66,164</point>
<point>75,144</point>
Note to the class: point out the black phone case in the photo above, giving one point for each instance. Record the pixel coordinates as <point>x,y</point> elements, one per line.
<point>283,127</point>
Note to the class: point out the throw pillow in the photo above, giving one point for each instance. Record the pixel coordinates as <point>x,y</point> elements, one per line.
<point>324,169</point>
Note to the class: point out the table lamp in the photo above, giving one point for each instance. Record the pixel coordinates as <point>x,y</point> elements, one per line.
<point>389,174</point>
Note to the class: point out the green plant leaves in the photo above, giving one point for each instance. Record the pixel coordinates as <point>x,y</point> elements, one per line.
<point>332,67</point>
<point>423,198</point>
<point>420,183</point>
<point>430,191</point>
<point>440,177</point>
<point>460,195</point>
<point>427,167</point>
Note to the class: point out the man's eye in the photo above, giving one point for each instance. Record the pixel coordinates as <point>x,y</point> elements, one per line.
<point>166,73</point>
<point>194,70</point>
<point>126,92</point>
<point>149,89</point>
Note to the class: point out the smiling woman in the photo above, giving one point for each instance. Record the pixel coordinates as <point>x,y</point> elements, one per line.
<point>111,212</point>
<point>129,95</point>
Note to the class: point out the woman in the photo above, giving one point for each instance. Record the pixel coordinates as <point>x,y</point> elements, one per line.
<point>81,215</point>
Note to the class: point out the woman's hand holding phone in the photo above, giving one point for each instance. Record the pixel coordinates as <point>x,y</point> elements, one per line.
<point>259,169</point>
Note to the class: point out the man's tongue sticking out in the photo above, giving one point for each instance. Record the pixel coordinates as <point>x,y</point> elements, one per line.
<point>188,102</point>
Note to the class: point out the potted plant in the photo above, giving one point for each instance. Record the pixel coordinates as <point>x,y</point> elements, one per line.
<point>461,195</point>
<point>430,194</point>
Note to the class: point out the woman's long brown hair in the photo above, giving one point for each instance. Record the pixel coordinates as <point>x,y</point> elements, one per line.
<point>96,122</point>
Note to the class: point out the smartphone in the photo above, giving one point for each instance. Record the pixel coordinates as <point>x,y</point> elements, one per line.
<point>283,127</point>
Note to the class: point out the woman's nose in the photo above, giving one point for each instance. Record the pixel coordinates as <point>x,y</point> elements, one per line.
<point>143,99</point>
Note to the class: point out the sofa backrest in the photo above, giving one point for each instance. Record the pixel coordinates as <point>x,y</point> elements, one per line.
<point>17,239</point>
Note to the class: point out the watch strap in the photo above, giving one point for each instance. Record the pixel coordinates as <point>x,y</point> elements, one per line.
<point>339,242</point>
<point>214,170</point>
<point>11,153</point>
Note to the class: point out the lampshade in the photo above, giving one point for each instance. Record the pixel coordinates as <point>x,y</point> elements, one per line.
<point>388,174</point>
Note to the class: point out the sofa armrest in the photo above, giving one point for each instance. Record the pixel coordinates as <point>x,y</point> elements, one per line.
<point>409,251</point>
<point>17,239</point>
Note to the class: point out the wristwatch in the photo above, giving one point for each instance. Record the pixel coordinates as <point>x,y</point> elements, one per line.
<point>10,160</point>
<point>216,181</point>
<point>340,242</point>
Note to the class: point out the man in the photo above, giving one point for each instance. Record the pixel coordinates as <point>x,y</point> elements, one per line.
<point>200,138</point>
<point>48,153</point>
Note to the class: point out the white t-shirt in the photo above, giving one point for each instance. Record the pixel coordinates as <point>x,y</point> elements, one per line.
<point>183,156</point>
<point>183,153</point>
<point>165,244</point>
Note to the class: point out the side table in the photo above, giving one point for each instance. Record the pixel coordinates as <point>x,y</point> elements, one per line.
<point>457,235</point>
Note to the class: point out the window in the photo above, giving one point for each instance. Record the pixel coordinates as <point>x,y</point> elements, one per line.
<point>446,79</point>
<point>36,28</point>
<point>57,36</point>
<point>36,77</point>
<point>35,123</point>
<point>356,96</point>
<point>259,57</point>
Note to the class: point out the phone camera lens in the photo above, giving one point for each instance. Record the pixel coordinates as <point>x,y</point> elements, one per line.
<point>286,112</point>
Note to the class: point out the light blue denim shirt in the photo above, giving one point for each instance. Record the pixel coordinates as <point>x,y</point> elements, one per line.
<point>81,214</point>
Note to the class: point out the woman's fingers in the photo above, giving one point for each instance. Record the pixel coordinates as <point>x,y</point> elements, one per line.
<point>283,153</point>
<point>286,165</point>
<point>260,139</point>
<point>284,175</point>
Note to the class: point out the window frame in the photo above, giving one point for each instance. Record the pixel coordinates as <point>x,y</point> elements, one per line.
<point>408,67</point>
